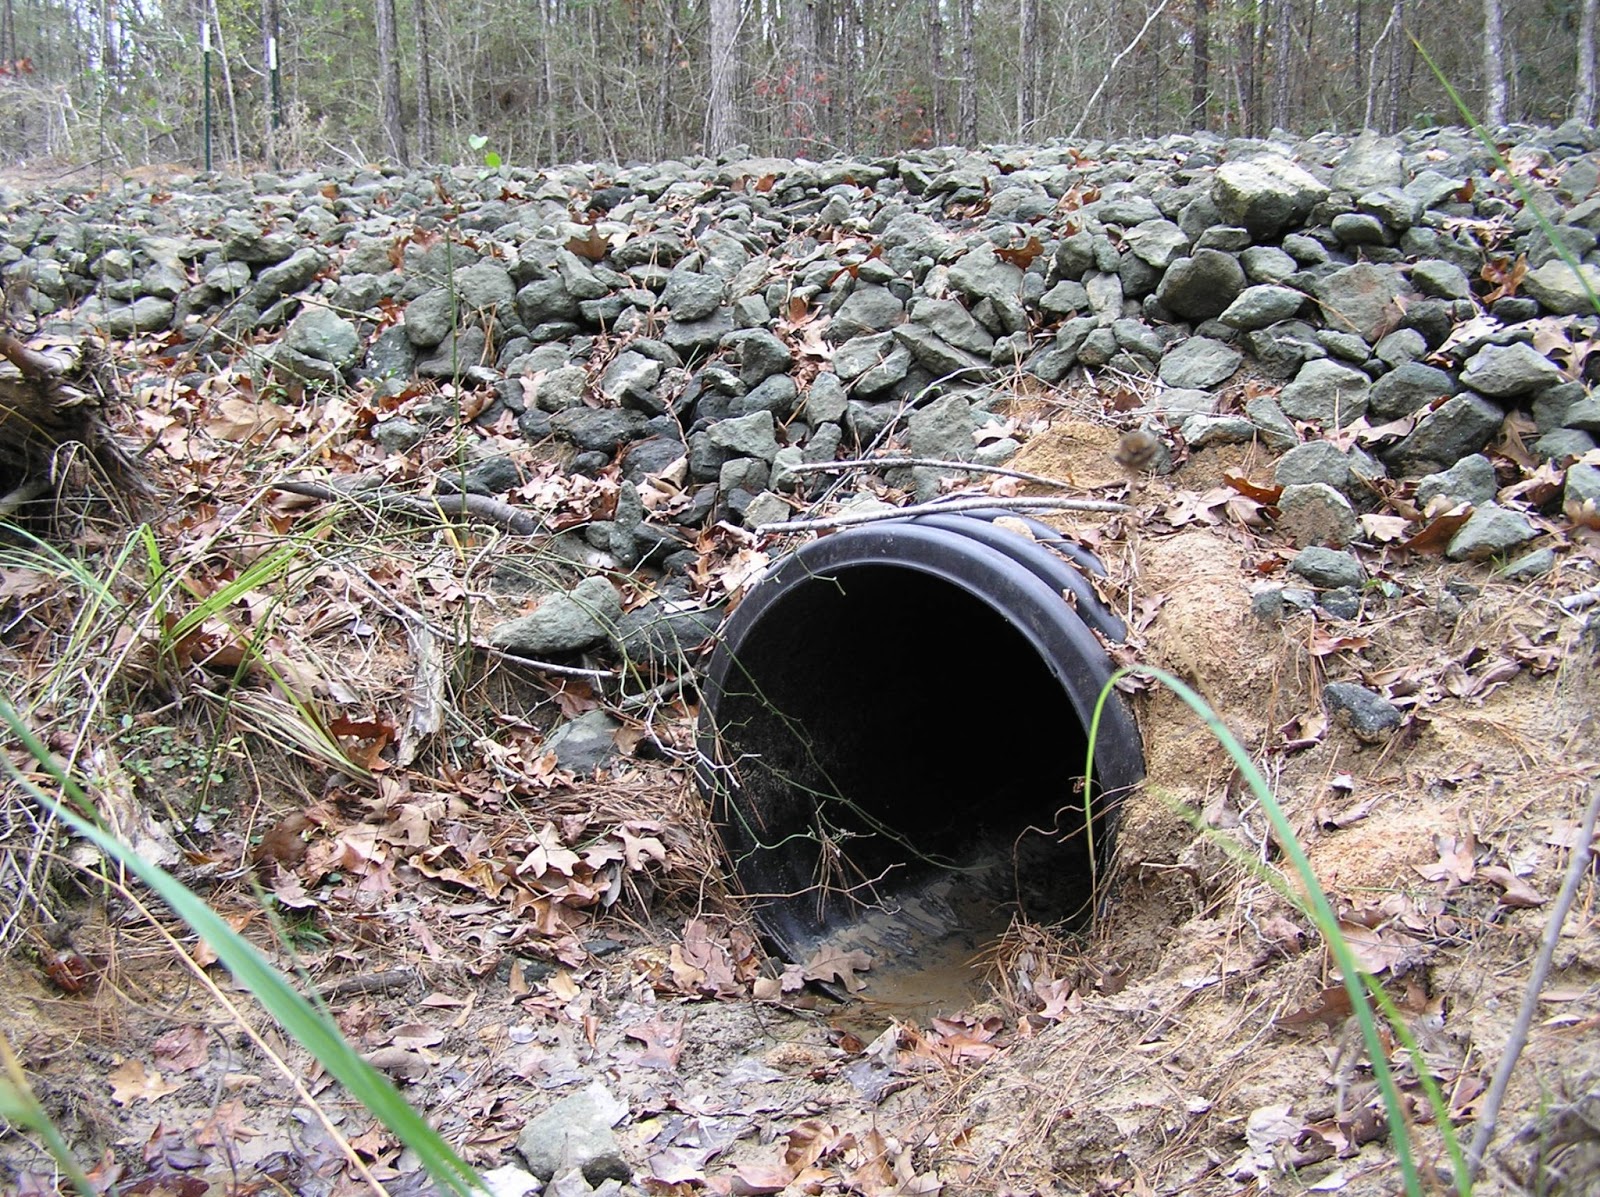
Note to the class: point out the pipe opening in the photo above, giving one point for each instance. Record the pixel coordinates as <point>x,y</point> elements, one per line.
<point>895,733</point>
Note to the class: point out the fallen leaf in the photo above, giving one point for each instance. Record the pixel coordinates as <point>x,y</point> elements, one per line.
<point>1455,865</point>
<point>1436,537</point>
<point>131,1081</point>
<point>1516,891</point>
<point>1330,1008</point>
<point>830,964</point>
<point>663,1042</point>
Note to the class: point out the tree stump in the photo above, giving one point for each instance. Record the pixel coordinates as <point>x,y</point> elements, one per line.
<point>53,394</point>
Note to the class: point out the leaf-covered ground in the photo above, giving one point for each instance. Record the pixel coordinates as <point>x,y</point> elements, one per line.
<point>292,703</point>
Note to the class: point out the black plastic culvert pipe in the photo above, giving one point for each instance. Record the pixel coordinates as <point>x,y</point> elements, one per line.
<point>909,700</point>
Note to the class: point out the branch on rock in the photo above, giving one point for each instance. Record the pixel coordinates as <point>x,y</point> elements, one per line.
<point>937,463</point>
<point>979,504</point>
<point>480,507</point>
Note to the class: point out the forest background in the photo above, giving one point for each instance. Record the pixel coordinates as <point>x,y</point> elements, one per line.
<point>524,82</point>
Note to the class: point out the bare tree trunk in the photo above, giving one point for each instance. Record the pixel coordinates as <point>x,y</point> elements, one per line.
<point>389,79</point>
<point>1027,64</point>
<point>936,39</point>
<point>8,33</point>
<point>1246,40</point>
<point>1583,102</point>
<point>967,116</point>
<point>227,83</point>
<point>720,121</point>
<point>1200,78</point>
<point>801,120</point>
<point>1397,45</point>
<point>419,12</point>
<point>269,35</point>
<point>1281,73</point>
<point>1494,64</point>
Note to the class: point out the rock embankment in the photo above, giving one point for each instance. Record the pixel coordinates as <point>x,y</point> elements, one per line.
<point>708,326</point>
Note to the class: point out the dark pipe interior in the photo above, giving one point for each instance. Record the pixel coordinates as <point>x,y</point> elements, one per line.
<point>892,715</point>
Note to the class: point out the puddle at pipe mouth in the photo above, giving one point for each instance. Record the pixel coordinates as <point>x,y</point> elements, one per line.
<point>932,948</point>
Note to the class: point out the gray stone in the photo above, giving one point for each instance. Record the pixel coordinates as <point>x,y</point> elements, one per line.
<point>695,338</point>
<point>1265,195</point>
<point>631,378</point>
<point>1358,228</point>
<point>564,622</point>
<point>784,475</point>
<point>321,333</point>
<point>484,288</point>
<point>1315,514</point>
<point>1562,291</point>
<point>1583,415</point>
<point>398,434</point>
<point>598,430</point>
<point>943,429</point>
<point>1200,432</point>
<point>1407,388</point>
<point>1401,346</point>
<point>561,388</point>
<point>766,508</point>
<point>1372,160</point>
<point>1359,299</point>
<point>1550,407</point>
<point>459,354</point>
<point>1274,428</point>
<point>866,310</point>
<point>777,395</point>
<point>584,744</point>
<point>980,275</point>
<point>1470,480</point>
<point>753,435</point>
<point>1504,371</point>
<point>664,634</point>
<point>1325,393</point>
<point>1395,208</point>
<point>1283,348</point>
<point>1158,242</point>
<point>651,456</point>
<point>1582,488</point>
<point>391,354</point>
<point>545,301</point>
<point>1443,280</point>
<point>1066,298</point>
<point>1198,363</point>
<point>940,358</point>
<point>1201,286</point>
<point>1491,531</point>
<point>289,276</point>
<point>290,362</point>
<point>1321,461</point>
<point>1530,565</point>
<point>1267,264</point>
<point>1105,295</point>
<point>1262,305</point>
<point>761,355</point>
<point>145,314</point>
<point>953,324</point>
<point>1328,568</point>
<point>860,354</point>
<point>1562,443</point>
<point>1460,426</point>
<point>577,1130</point>
<point>692,296</point>
<point>1174,405</point>
<point>1369,715</point>
<point>825,401</point>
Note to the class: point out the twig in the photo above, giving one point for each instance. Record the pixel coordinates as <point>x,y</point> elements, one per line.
<point>1581,601</point>
<point>386,982</point>
<point>493,511</point>
<point>935,462</point>
<point>1576,868</point>
<point>543,666</point>
<point>871,517</point>
<point>1112,69</point>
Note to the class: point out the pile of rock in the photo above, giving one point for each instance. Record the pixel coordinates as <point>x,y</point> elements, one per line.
<point>720,323</point>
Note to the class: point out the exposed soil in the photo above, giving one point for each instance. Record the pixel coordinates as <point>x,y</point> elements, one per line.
<point>1185,1045</point>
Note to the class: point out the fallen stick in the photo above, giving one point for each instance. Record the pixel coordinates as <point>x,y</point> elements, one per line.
<point>492,511</point>
<point>1577,868</point>
<point>871,517</point>
<point>970,467</point>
